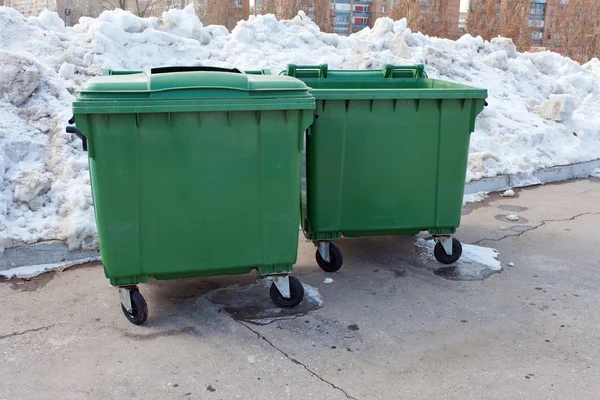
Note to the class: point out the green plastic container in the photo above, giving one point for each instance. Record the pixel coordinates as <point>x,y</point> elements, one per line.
<point>195,172</point>
<point>386,155</point>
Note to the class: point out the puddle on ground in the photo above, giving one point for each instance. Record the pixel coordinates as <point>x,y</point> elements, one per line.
<point>502,218</point>
<point>253,304</point>
<point>465,272</point>
<point>509,207</point>
<point>521,228</point>
<point>475,264</point>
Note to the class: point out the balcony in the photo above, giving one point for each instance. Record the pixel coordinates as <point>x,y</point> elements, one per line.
<point>357,27</point>
<point>359,14</point>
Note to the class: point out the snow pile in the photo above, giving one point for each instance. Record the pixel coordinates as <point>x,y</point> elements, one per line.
<point>544,109</point>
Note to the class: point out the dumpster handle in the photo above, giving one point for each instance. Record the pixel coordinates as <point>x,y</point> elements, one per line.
<point>166,70</point>
<point>321,69</point>
<point>72,129</point>
<point>418,70</point>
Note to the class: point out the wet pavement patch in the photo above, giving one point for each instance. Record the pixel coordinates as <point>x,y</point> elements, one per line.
<point>510,207</point>
<point>476,262</point>
<point>521,228</point>
<point>253,304</point>
<point>465,272</point>
<point>502,217</point>
<point>32,284</point>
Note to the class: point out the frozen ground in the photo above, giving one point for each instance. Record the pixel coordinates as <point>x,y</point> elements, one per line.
<point>544,109</point>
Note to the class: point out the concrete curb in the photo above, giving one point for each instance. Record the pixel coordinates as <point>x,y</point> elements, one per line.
<point>55,252</point>
<point>547,175</point>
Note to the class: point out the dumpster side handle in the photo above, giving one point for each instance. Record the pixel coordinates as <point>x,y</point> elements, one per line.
<point>405,71</point>
<point>307,71</point>
<point>72,129</point>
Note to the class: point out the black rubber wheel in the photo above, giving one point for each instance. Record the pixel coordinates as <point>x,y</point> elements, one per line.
<point>335,259</point>
<point>139,309</point>
<point>441,256</point>
<point>296,294</point>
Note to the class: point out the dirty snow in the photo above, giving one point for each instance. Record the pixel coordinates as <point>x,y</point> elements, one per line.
<point>508,193</point>
<point>544,109</point>
<point>474,197</point>
<point>328,281</point>
<point>34,270</point>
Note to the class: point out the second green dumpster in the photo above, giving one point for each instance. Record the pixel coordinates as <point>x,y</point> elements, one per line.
<point>195,171</point>
<point>386,155</point>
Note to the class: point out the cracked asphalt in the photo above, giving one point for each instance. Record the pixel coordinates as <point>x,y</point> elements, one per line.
<point>389,329</point>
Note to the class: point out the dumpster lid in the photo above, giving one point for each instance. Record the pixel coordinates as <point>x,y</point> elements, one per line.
<point>191,82</point>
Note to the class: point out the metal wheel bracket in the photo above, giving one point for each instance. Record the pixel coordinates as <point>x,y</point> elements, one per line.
<point>446,242</point>
<point>125,294</point>
<point>282,282</point>
<point>324,251</point>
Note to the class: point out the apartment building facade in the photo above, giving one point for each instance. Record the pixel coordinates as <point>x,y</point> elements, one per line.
<point>541,13</point>
<point>357,14</point>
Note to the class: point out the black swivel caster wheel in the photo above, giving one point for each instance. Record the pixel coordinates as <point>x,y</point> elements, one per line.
<point>335,259</point>
<point>139,308</point>
<point>441,256</point>
<point>296,294</point>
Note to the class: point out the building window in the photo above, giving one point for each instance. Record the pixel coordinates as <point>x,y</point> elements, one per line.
<point>383,9</point>
<point>238,3</point>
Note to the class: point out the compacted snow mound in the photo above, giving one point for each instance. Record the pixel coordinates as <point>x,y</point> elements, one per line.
<point>544,109</point>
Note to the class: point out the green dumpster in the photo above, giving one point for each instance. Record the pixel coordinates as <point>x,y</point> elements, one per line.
<point>195,172</point>
<point>386,155</point>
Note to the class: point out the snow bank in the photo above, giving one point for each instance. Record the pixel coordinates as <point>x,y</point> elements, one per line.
<point>44,184</point>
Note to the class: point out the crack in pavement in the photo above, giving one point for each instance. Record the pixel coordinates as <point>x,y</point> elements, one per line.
<point>295,361</point>
<point>535,227</point>
<point>27,331</point>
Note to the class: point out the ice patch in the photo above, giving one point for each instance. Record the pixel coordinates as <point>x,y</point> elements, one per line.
<point>328,281</point>
<point>508,193</point>
<point>512,217</point>
<point>475,263</point>
<point>31,271</point>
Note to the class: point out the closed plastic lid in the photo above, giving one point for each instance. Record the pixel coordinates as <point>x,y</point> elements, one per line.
<point>191,83</point>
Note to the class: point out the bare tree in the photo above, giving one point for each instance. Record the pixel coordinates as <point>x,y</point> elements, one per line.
<point>323,15</point>
<point>427,16</point>
<point>577,29</point>
<point>269,7</point>
<point>222,12</point>
<point>411,10</point>
<point>514,23</point>
<point>113,4</point>
<point>288,9</point>
<point>141,8</point>
<point>483,18</point>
